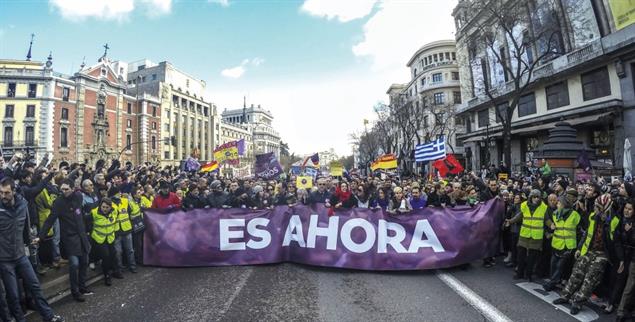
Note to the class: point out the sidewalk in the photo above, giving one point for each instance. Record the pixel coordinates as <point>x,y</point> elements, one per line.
<point>55,283</point>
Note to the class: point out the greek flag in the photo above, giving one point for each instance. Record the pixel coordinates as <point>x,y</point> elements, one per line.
<point>430,151</point>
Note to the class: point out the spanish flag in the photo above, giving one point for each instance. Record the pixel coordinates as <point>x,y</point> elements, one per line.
<point>386,161</point>
<point>209,166</point>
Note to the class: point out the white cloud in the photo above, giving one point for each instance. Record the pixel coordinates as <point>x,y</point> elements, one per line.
<point>235,72</point>
<point>317,113</point>
<point>119,10</point>
<point>342,10</point>
<point>311,114</point>
<point>239,71</point>
<point>158,7</point>
<point>223,3</point>
<point>399,28</point>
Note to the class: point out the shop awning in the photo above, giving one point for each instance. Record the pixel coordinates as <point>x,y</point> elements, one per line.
<point>575,121</point>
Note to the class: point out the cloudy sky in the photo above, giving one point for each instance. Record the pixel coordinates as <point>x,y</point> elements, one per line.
<point>318,65</point>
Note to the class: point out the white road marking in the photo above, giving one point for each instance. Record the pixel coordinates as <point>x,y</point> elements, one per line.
<point>585,315</point>
<point>489,311</point>
<point>239,286</point>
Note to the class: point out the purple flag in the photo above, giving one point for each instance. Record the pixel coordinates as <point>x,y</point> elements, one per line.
<point>267,166</point>
<point>366,239</point>
<point>241,147</point>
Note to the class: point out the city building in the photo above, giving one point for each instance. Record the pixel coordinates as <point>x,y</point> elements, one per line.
<point>26,106</point>
<point>585,77</point>
<point>431,99</point>
<point>82,117</point>
<point>186,115</point>
<point>259,121</point>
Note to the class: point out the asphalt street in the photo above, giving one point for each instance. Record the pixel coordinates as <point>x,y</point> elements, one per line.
<point>290,292</point>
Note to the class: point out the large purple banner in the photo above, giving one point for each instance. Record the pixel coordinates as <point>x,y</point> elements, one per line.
<point>357,238</point>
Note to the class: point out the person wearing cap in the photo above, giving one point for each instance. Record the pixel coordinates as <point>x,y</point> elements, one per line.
<point>564,224</point>
<point>166,199</point>
<point>218,197</point>
<point>592,255</point>
<point>532,230</point>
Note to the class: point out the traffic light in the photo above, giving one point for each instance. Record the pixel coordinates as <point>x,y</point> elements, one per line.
<point>173,140</point>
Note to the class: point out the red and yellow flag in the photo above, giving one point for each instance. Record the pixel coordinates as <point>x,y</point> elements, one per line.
<point>386,161</point>
<point>209,166</point>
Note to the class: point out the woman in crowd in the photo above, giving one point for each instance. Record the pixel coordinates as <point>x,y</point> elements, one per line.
<point>399,204</point>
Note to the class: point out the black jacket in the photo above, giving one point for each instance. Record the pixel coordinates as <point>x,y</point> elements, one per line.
<point>193,202</point>
<point>319,197</point>
<point>216,199</point>
<point>14,223</point>
<point>73,236</point>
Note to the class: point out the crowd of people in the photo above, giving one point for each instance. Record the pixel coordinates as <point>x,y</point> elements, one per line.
<point>578,236</point>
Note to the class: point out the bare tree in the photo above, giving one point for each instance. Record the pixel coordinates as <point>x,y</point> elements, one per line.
<point>367,144</point>
<point>444,121</point>
<point>508,40</point>
<point>385,127</point>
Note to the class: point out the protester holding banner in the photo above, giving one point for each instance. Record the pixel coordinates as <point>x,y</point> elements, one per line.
<point>342,198</point>
<point>398,204</point>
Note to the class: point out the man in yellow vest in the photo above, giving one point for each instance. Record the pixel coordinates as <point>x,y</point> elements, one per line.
<point>564,226</point>
<point>104,219</point>
<point>532,214</point>
<point>123,230</point>
<point>592,255</point>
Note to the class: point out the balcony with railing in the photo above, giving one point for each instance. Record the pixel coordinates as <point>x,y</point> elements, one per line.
<point>22,144</point>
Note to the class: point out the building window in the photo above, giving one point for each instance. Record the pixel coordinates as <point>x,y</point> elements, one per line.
<point>436,59</point>
<point>423,81</point>
<point>528,47</point>
<point>154,143</point>
<point>457,97</point>
<point>166,127</point>
<point>437,77</point>
<point>415,72</point>
<point>30,111</point>
<point>166,155</point>
<point>447,56</point>
<point>66,92</point>
<point>154,125</point>
<point>154,111</point>
<point>440,118</point>
<point>527,105</point>
<point>128,141</point>
<point>166,141</point>
<point>455,75</point>
<point>596,84</point>
<point>64,137</point>
<point>11,90</point>
<point>64,114</point>
<point>453,56</point>
<point>143,79</point>
<point>503,61</point>
<point>557,95</point>
<point>154,77</point>
<point>485,74</point>
<point>8,111</point>
<point>103,72</point>
<point>8,136</point>
<point>129,124</point>
<point>483,118</point>
<point>439,98</point>
<point>32,90</point>
<point>501,110</point>
<point>129,108</point>
<point>29,136</point>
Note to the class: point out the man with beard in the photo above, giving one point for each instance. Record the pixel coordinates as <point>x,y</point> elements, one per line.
<point>166,198</point>
<point>13,261</point>
<point>68,209</point>
<point>216,198</point>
